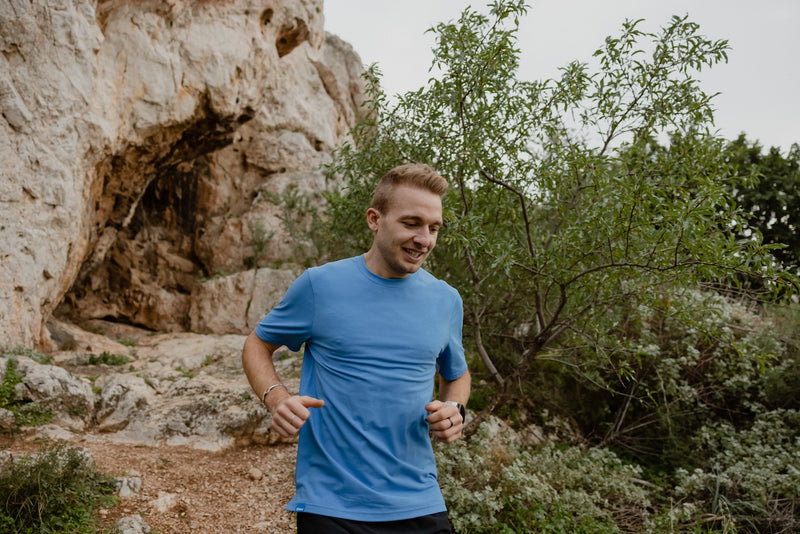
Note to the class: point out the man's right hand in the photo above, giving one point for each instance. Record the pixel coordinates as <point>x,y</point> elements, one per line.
<point>290,413</point>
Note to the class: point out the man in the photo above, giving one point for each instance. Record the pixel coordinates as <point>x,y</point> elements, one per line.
<point>376,328</point>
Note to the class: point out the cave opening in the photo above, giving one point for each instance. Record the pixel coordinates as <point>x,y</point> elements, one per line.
<point>144,264</point>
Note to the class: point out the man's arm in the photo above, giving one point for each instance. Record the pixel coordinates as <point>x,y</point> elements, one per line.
<point>455,390</point>
<point>289,412</point>
<point>444,419</point>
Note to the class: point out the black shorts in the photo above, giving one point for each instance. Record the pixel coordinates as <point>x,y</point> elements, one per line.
<point>320,524</point>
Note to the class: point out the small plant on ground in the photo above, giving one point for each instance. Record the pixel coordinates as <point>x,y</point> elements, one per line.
<point>107,359</point>
<point>55,490</point>
<point>187,373</point>
<point>28,352</point>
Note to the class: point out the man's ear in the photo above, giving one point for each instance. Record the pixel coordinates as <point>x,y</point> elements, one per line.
<point>372,219</point>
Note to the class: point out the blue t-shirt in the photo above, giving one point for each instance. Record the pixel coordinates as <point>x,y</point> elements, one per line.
<point>373,346</point>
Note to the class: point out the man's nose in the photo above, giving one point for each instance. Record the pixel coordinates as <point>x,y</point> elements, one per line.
<point>424,238</point>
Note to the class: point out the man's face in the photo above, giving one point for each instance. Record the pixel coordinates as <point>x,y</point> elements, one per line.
<point>406,233</point>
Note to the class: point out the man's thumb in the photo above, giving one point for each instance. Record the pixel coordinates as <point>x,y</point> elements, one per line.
<point>433,406</point>
<point>311,402</point>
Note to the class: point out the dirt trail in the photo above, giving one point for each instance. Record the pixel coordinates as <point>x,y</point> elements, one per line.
<point>187,490</point>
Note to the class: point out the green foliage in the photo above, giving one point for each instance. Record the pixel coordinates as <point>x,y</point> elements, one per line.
<point>53,491</point>
<point>25,413</point>
<point>32,414</point>
<point>494,484</point>
<point>692,358</point>
<point>7,388</point>
<point>300,216</point>
<point>587,255</point>
<point>718,380</point>
<point>767,186</point>
<point>107,358</point>
<point>563,213</point>
<point>186,373</point>
<point>259,237</point>
<point>749,476</point>
<point>746,481</point>
<point>28,352</point>
<point>780,382</point>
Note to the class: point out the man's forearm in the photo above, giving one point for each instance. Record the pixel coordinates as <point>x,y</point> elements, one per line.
<point>260,370</point>
<point>455,390</point>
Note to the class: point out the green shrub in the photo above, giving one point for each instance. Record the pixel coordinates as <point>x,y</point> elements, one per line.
<point>53,491</point>
<point>32,414</point>
<point>745,481</point>
<point>260,241</point>
<point>782,382</point>
<point>108,359</point>
<point>494,484</point>
<point>693,358</point>
<point>7,387</point>
<point>750,476</point>
<point>25,413</point>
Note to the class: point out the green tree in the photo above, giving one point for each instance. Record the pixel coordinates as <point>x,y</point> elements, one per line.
<point>562,218</point>
<point>770,193</point>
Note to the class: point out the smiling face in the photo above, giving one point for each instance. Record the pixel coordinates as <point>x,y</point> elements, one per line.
<point>405,233</point>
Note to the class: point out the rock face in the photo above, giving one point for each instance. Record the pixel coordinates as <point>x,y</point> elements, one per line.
<point>163,389</point>
<point>143,148</point>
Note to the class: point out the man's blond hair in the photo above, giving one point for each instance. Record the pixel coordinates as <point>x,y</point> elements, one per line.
<point>417,175</point>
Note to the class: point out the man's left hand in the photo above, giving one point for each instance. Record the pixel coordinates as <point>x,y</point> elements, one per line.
<point>444,420</point>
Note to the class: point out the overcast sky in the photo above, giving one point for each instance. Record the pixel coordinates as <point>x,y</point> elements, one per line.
<point>759,86</point>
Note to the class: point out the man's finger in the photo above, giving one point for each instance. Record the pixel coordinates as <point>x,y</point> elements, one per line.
<point>311,402</point>
<point>434,406</point>
<point>283,427</point>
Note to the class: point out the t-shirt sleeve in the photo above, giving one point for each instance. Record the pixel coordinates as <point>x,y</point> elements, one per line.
<point>451,363</point>
<point>289,323</point>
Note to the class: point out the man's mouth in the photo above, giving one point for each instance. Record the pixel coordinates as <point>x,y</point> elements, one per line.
<point>414,254</point>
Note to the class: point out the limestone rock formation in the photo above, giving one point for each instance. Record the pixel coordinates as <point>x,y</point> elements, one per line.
<point>236,303</point>
<point>68,397</point>
<point>158,389</point>
<point>143,147</point>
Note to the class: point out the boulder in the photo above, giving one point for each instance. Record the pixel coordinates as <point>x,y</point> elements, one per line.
<point>132,524</point>
<point>68,397</point>
<point>122,397</point>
